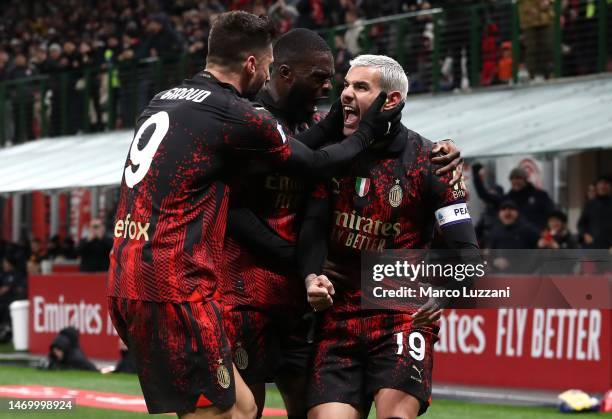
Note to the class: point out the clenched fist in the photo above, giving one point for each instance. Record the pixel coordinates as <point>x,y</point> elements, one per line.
<point>319,290</point>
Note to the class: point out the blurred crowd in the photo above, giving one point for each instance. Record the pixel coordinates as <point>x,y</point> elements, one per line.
<point>525,217</point>
<point>29,257</point>
<point>99,57</point>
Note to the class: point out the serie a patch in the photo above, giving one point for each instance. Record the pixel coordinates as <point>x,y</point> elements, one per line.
<point>452,214</point>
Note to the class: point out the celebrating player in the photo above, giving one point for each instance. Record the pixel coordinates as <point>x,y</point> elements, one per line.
<point>171,217</point>
<point>262,298</point>
<point>385,200</point>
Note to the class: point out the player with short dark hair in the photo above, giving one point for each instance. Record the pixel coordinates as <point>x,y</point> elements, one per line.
<point>233,35</point>
<point>171,218</point>
<point>263,299</point>
<point>386,199</point>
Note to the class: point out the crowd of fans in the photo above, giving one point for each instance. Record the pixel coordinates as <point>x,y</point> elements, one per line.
<point>525,217</point>
<point>104,51</point>
<point>29,256</point>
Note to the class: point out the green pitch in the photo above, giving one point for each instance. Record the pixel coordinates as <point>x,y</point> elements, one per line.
<point>128,384</point>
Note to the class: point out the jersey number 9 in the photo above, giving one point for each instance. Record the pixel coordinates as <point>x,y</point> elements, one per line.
<point>141,158</point>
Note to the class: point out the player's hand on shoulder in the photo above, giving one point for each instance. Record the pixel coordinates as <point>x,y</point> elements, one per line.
<point>445,153</point>
<point>319,290</point>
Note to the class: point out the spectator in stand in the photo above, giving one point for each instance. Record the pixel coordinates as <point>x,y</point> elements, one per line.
<point>94,251</point>
<point>490,55</point>
<point>283,14</point>
<point>556,235</point>
<point>536,20</point>
<point>72,66</point>
<point>54,66</point>
<point>22,98</point>
<point>65,352</point>
<point>512,231</point>
<point>13,286</point>
<point>58,249</point>
<point>489,217</point>
<point>534,204</point>
<point>54,247</point>
<point>89,83</point>
<point>456,37</point>
<point>353,32</point>
<point>504,66</point>
<point>591,192</point>
<point>311,14</point>
<point>162,40</point>
<point>68,249</point>
<point>595,223</point>
<point>559,242</point>
<point>36,255</point>
<point>342,59</point>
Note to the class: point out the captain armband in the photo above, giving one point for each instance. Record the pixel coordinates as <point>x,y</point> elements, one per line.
<point>452,214</point>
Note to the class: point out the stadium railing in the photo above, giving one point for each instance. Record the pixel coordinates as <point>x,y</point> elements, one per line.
<point>441,49</point>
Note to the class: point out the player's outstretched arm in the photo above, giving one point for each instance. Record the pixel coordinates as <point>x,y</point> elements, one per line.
<point>255,235</point>
<point>330,128</point>
<point>326,161</point>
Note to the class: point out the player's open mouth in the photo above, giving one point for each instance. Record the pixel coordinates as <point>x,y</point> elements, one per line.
<point>318,100</point>
<point>351,115</point>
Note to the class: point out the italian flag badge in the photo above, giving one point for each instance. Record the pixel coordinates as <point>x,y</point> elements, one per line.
<point>362,186</point>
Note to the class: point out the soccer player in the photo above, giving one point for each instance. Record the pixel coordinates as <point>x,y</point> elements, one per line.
<point>171,216</point>
<point>263,299</point>
<point>385,200</point>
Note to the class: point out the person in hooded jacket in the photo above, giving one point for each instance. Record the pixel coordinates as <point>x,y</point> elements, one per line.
<point>65,352</point>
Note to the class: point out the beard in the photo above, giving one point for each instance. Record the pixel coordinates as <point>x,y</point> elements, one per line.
<point>254,87</point>
<point>300,112</point>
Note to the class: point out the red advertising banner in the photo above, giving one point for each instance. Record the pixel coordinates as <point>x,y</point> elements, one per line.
<point>79,300</point>
<point>554,349</point>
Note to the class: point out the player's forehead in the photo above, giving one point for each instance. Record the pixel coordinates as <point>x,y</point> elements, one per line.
<point>317,64</point>
<point>363,75</point>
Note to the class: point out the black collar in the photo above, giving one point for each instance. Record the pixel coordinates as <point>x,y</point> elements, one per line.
<point>209,77</point>
<point>394,142</point>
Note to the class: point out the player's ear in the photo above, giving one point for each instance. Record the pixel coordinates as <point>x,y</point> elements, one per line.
<point>285,72</point>
<point>250,65</point>
<point>393,99</point>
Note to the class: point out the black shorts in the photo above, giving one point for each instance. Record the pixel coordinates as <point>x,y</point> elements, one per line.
<point>181,352</point>
<point>359,352</point>
<point>265,344</point>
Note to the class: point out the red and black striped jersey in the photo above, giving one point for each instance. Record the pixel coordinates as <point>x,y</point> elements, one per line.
<point>386,200</point>
<point>277,200</point>
<point>171,217</point>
